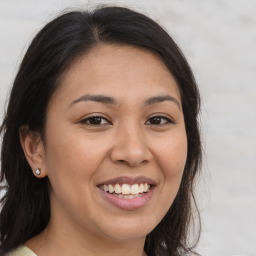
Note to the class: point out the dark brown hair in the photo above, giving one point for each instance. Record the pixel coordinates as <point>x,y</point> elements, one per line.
<point>26,203</point>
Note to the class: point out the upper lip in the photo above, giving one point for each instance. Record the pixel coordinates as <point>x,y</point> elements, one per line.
<point>129,180</point>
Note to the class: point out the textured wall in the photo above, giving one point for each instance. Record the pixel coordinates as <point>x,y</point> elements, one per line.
<point>218,37</point>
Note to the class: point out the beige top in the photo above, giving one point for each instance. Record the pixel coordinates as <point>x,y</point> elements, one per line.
<point>21,251</point>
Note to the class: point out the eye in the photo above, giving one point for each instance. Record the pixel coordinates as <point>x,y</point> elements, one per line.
<point>95,120</point>
<point>159,120</point>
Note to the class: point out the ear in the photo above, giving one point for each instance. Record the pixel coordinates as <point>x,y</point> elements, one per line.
<point>34,151</point>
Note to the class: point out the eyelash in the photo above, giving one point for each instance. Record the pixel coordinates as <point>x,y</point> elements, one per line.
<point>166,120</point>
<point>100,118</point>
<point>92,118</point>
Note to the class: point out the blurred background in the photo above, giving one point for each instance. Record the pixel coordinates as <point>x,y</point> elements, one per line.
<point>218,37</point>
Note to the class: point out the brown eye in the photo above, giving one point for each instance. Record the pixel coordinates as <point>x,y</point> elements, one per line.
<point>95,120</point>
<point>158,120</point>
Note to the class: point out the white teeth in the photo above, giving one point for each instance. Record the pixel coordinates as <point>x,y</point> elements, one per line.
<point>118,189</point>
<point>105,187</point>
<point>129,196</point>
<point>135,189</point>
<point>110,189</point>
<point>125,189</point>
<point>146,187</point>
<point>141,188</point>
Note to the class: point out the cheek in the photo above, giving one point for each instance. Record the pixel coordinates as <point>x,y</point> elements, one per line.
<point>172,159</point>
<point>72,160</point>
<point>172,156</point>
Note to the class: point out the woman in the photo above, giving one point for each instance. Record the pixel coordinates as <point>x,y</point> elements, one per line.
<point>101,143</point>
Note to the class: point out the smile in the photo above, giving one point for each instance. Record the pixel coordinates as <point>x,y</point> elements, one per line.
<point>126,191</point>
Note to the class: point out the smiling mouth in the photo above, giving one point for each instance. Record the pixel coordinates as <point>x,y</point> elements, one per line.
<point>126,191</point>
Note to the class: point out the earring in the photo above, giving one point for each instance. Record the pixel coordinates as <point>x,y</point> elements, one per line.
<point>38,171</point>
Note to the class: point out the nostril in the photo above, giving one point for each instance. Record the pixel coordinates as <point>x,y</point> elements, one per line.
<point>130,163</point>
<point>126,163</point>
<point>122,162</point>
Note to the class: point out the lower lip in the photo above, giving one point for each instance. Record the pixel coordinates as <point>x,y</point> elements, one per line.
<point>128,204</point>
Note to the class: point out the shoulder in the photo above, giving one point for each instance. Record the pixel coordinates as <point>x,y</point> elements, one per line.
<point>21,251</point>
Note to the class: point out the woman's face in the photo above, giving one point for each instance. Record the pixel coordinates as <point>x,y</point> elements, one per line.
<point>114,129</point>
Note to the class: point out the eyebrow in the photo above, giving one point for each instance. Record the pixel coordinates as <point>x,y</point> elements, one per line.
<point>161,98</point>
<point>109,100</point>
<point>97,98</point>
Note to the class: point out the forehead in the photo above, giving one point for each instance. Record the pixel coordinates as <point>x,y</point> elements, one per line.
<point>122,71</point>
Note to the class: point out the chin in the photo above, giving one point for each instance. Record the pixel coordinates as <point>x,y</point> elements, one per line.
<point>130,230</point>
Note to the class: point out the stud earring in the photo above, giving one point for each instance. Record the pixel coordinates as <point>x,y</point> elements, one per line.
<point>38,171</point>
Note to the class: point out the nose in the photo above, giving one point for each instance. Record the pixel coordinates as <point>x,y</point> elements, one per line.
<point>130,147</point>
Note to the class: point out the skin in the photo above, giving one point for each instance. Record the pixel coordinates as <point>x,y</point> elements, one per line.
<point>78,155</point>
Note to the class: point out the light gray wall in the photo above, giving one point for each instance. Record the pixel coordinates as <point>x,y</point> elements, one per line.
<point>218,37</point>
